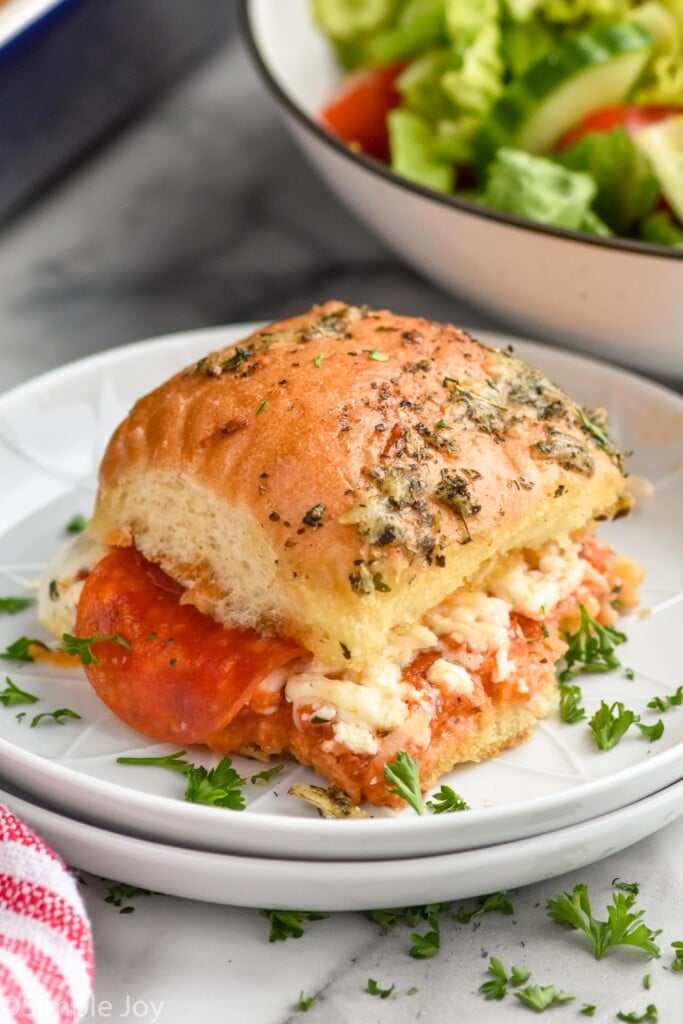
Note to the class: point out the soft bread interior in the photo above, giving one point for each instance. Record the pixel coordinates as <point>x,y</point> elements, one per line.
<point>224,558</point>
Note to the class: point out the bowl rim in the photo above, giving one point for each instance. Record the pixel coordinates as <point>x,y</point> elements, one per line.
<point>626,246</point>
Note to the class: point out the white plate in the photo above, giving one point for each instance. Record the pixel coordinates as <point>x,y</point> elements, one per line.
<point>52,431</point>
<point>346,885</point>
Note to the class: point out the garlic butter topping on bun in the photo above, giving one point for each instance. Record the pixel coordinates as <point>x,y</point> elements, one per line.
<point>350,535</point>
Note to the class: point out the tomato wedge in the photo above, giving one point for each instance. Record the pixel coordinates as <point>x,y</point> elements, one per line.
<point>631,117</point>
<point>185,675</point>
<point>358,113</point>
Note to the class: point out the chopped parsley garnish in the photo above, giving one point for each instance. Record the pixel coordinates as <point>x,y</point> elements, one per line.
<point>571,709</point>
<point>76,524</point>
<point>652,732</point>
<point>81,647</point>
<point>623,927</point>
<point>264,777</point>
<point>14,605</point>
<point>498,986</point>
<point>173,761</point>
<point>217,787</point>
<point>20,650</point>
<point>540,997</point>
<point>412,916</point>
<point>677,964</point>
<point>318,361</point>
<point>119,891</point>
<point>495,902</point>
<point>262,407</point>
<point>57,716</point>
<point>374,989</point>
<point>305,1002</point>
<point>632,887</point>
<point>588,1009</point>
<point>378,356</point>
<point>664,703</point>
<point>289,924</point>
<point>12,695</point>
<point>443,425</point>
<point>610,723</point>
<point>591,648</point>
<point>426,946</point>
<point>447,800</point>
<point>649,1014</point>
<point>403,774</point>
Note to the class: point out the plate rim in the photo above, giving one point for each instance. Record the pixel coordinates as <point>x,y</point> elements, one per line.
<point>431,870</point>
<point>671,760</point>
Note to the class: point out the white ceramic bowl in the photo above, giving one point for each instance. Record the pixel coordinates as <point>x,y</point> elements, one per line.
<point>618,299</point>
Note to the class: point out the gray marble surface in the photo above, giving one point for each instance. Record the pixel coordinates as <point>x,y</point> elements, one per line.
<point>201,213</point>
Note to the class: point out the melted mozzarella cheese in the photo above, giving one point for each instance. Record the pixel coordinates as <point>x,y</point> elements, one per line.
<point>60,587</point>
<point>535,591</point>
<point>375,702</point>
<point>450,678</point>
<point>480,623</point>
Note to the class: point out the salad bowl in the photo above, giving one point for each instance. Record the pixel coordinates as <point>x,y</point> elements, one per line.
<point>615,297</point>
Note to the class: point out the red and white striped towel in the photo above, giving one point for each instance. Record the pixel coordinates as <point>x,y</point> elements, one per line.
<point>46,955</point>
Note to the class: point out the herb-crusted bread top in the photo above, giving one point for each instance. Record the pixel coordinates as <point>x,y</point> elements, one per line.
<point>335,475</point>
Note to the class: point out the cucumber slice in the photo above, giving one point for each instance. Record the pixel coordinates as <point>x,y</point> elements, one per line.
<point>662,143</point>
<point>581,74</point>
<point>345,19</point>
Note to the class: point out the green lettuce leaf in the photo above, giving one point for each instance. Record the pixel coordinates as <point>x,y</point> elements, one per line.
<point>524,44</point>
<point>662,81</point>
<point>627,189</point>
<point>413,154</point>
<point>662,229</point>
<point>537,188</point>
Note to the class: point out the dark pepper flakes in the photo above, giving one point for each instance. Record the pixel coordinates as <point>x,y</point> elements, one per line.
<point>314,516</point>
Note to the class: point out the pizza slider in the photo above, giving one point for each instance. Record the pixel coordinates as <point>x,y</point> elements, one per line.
<point>350,535</point>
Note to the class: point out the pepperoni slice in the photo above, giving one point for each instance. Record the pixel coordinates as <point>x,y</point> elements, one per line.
<point>185,675</point>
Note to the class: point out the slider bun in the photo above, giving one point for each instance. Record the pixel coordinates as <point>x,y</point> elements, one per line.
<point>335,475</point>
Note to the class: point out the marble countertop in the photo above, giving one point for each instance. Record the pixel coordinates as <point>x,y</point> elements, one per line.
<point>201,213</point>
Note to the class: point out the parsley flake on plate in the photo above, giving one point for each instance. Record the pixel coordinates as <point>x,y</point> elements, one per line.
<point>12,695</point>
<point>667,702</point>
<point>59,716</point>
<point>14,605</point>
<point>403,774</point>
<point>610,723</point>
<point>447,800</point>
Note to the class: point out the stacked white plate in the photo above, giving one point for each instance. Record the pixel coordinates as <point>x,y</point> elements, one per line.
<point>549,806</point>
